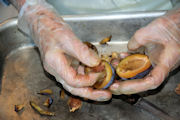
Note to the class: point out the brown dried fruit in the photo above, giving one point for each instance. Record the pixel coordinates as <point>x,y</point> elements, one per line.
<point>40,110</point>
<point>18,107</point>
<point>177,90</point>
<point>62,94</point>
<point>48,102</point>
<point>105,40</point>
<point>46,92</point>
<point>74,104</point>
<point>106,57</point>
<point>115,55</point>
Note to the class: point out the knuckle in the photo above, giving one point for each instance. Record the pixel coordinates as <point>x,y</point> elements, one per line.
<point>161,21</point>
<point>154,82</point>
<point>158,82</point>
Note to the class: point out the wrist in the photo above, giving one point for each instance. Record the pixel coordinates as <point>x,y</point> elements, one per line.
<point>17,3</point>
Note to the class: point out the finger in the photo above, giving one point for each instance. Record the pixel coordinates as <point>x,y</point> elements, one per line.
<point>137,40</point>
<point>57,64</point>
<point>89,93</point>
<point>152,33</point>
<point>122,55</point>
<point>133,44</point>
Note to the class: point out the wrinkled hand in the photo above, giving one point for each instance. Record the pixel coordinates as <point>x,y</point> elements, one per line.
<point>57,43</point>
<point>161,38</point>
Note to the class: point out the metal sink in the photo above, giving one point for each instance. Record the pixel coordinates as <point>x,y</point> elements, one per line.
<point>22,74</point>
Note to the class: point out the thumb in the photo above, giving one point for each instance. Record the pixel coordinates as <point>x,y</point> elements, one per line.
<point>140,38</point>
<point>133,44</point>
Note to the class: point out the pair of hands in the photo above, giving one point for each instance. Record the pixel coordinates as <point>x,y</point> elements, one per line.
<point>57,43</point>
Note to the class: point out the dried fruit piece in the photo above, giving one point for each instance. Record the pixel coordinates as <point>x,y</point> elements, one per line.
<point>62,94</point>
<point>87,70</point>
<point>46,92</point>
<point>86,99</point>
<point>106,58</point>
<point>99,68</point>
<point>115,55</point>
<point>109,77</point>
<point>74,104</point>
<point>48,102</point>
<point>133,65</point>
<point>19,107</point>
<point>115,62</point>
<point>40,110</point>
<point>177,90</point>
<point>105,40</point>
<point>106,77</point>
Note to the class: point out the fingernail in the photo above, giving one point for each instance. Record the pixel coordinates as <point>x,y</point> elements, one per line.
<point>132,44</point>
<point>94,61</point>
<point>116,92</point>
<point>103,99</point>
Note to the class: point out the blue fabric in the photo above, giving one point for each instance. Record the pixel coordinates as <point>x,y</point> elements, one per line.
<point>5,2</point>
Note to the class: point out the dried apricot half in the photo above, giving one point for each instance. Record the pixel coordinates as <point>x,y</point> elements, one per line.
<point>109,76</point>
<point>133,65</point>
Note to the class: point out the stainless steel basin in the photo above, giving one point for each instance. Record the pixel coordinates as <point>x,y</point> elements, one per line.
<point>22,74</point>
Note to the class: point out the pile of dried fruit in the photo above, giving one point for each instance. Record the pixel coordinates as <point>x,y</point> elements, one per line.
<point>124,66</point>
